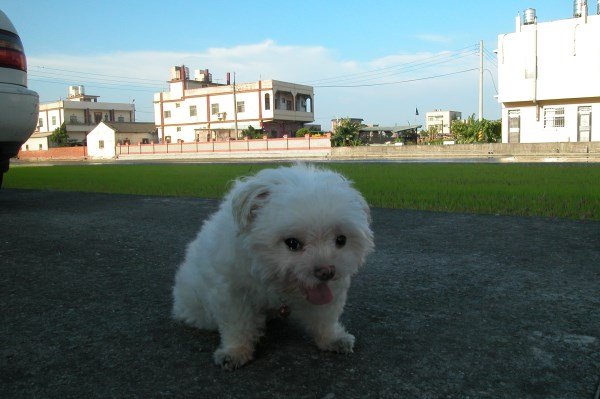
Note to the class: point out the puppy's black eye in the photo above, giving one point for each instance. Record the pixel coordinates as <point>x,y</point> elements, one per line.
<point>340,241</point>
<point>293,244</point>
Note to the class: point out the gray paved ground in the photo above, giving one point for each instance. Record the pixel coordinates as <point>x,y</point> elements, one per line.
<point>449,306</point>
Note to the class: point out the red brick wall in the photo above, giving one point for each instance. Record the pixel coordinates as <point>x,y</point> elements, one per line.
<point>55,153</point>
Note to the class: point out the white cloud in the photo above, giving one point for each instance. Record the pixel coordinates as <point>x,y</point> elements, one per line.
<point>145,72</point>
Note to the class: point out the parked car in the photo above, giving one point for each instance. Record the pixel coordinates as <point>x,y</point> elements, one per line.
<point>18,105</point>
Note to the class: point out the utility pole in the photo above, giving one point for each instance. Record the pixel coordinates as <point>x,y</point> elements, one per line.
<point>480,80</point>
<point>235,109</point>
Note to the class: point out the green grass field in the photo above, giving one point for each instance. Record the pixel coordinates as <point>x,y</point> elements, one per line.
<point>550,190</point>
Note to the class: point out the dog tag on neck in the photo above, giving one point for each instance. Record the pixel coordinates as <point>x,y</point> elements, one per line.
<point>284,310</point>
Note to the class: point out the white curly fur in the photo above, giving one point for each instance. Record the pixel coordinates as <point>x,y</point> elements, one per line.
<point>239,267</point>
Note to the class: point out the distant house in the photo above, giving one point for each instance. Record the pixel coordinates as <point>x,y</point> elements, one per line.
<point>548,79</point>
<point>38,141</point>
<point>384,134</point>
<point>80,113</point>
<point>101,141</point>
<point>199,110</point>
<point>441,121</point>
<point>335,122</point>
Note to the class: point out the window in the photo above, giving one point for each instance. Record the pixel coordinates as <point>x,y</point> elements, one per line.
<point>26,147</point>
<point>121,119</point>
<point>179,128</point>
<point>101,144</point>
<point>214,109</point>
<point>193,110</point>
<point>241,106</point>
<point>267,101</point>
<point>73,119</point>
<point>40,147</point>
<point>53,120</point>
<point>554,117</point>
<point>41,122</point>
<point>105,117</point>
<point>167,114</point>
<point>177,105</point>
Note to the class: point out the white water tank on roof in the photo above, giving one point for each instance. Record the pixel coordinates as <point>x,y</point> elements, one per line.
<point>529,16</point>
<point>75,91</point>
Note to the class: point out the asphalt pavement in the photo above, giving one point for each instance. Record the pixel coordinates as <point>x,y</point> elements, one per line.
<point>448,306</point>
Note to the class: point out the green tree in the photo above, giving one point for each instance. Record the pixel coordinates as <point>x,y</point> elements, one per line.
<point>59,136</point>
<point>302,131</point>
<point>475,131</point>
<point>253,133</point>
<point>346,134</point>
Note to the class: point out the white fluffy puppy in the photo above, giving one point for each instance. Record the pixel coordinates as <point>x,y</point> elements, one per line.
<point>287,238</point>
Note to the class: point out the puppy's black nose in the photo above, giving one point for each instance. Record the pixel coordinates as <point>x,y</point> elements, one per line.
<point>324,273</point>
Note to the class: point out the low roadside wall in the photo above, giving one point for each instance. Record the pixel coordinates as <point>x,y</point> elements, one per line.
<point>320,148</point>
<point>521,151</point>
<point>258,148</point>
<point>55,153</point>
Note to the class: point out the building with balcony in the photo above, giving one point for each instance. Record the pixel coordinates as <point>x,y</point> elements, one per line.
<point>200,110</point>
<point>81,113</point>
<point>548,78</point>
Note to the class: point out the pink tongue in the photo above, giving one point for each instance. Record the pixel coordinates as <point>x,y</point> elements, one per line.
<point>320,295</point>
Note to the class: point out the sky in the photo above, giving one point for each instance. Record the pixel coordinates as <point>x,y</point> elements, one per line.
<point>380,60</point>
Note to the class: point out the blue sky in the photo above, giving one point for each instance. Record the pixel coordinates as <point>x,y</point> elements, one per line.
<point>396,55</point>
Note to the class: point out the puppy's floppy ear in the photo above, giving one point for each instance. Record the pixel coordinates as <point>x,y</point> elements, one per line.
<point>249,197</point>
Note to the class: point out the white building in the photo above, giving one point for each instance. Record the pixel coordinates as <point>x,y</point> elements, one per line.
<point>442,121</point>
<point>200,110</point>
<point>549,79</point>
<point>80,113</point>
<point>101,141</point>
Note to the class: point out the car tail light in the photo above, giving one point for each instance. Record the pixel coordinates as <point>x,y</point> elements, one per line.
<point>11,51</point>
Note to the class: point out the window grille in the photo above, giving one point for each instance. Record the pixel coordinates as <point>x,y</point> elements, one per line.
<point>554,117</point>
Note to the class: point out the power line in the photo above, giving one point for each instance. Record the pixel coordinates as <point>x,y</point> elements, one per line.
<point>493,82</point>
<point>401,81</point>
<point>406,65</point>
<point>490,57</point>
<point>395,73</point>
<point>90,73</point>
<point>106,86</point>
<point>99,81</point>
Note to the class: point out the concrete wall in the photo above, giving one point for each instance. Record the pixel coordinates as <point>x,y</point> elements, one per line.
<point>535,151</point>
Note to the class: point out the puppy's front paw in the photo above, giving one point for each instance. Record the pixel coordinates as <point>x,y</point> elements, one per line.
<point>340,344</point>
<point>232,358</point>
